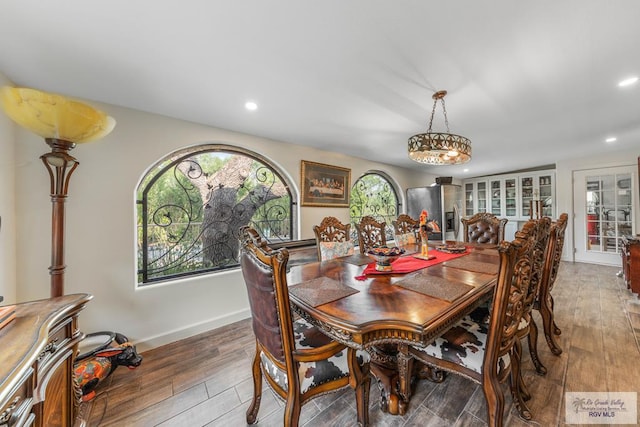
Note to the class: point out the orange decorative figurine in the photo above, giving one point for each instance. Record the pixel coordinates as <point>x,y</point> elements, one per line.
<point>424,234</point>
<point>93,367</point>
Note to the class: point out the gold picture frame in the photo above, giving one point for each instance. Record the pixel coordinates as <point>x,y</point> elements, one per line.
<point>324,185</point>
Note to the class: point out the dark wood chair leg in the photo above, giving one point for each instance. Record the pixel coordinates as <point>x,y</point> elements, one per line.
<point>495,402</point>
<point>522,388</point>
<point>292,408</point>
<point>518,389</point>
<point>360,381</point>
<point>252,411</point>
<point>533,348</point>
<point>549,325</point>
<point>556,330</point>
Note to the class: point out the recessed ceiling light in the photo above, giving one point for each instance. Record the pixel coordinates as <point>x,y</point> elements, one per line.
<point>465,170</point>
<point>251,106</point>
<point>628,82</point>
<point>611,139</point>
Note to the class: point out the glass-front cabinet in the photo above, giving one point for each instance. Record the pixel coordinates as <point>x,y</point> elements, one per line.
<point>512,196</point>
<point>526,195</point>
<point>495,195</point>
<point>469,209</point>
<point>475,197</point>
<point>482,197</point>
<point>547,190</point>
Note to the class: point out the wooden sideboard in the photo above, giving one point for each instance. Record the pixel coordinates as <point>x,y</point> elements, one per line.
<point>37,351</point>
<point>631,262</point>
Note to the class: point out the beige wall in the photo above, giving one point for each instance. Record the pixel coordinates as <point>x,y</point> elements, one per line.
<point>100,226</point>
<point>7,208</point>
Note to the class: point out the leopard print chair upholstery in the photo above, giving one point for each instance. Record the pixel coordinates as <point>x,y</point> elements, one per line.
<point>297,360</point>
<point>485,351</point>
<point>483,227</point>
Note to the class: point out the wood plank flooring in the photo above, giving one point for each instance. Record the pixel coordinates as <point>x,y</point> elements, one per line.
<point>206,380</point>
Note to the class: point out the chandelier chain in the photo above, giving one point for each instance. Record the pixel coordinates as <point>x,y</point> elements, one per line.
<point>433,111</point>
<point>446,120</point>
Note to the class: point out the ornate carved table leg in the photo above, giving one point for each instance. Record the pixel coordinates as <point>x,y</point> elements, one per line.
<point>360,382</point>
<point>394,397</point>
<point>405,372</point>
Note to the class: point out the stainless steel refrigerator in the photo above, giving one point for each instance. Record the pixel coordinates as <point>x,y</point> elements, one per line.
<point>443,202</point>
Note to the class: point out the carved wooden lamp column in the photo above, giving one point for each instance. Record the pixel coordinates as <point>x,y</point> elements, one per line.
<point>63,123</point>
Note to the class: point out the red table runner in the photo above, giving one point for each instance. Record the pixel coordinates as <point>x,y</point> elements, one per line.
<point>408,264</point>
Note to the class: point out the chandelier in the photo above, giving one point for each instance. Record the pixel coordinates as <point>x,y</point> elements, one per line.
<point>439,148</point>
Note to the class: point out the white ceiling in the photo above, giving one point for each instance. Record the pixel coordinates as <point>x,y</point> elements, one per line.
<point>531,82</point>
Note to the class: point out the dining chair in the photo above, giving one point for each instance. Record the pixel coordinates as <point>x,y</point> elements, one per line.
<point>333,239</point>
<point>484,351</point>
<point>297,360</point>
<point>483,227</point>
<point>404,230</point>
<point>527,327</point>
<point>371,233</point>
<point>544,301</point>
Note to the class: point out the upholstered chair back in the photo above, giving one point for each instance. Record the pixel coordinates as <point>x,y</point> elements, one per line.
<point>261,267</point>
<point>371,233</point>
<point>333,239</point>
<point>404,229</point>
<point>483,228</point>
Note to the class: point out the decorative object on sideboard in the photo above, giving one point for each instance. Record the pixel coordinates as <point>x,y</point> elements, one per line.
<point>442,180</point>
<point>439,148</point>
<point>63,123</point>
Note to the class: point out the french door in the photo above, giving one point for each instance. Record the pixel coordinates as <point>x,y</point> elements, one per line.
<point>604,201</point>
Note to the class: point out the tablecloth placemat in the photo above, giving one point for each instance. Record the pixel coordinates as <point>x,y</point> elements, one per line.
<point>321,290</point>
<point>471,265</point>
<point>357,259</point>
<point>435,286</point>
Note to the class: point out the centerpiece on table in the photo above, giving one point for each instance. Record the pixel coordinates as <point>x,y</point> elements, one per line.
<point>384,256</point>
<point>426,226</point>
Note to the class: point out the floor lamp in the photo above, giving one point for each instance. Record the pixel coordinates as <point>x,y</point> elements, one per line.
<point>63,123</point>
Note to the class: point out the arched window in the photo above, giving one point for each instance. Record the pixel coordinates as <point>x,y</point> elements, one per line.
<point>374,194</point>
<point>192,203</point>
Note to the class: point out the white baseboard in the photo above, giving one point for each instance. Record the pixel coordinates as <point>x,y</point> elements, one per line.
<point>191,330</point>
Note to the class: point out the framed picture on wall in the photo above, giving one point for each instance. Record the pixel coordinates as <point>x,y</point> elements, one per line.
<point>324,185</point>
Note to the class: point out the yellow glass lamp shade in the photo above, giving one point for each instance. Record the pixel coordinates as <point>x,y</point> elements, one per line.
<point>55,116</point>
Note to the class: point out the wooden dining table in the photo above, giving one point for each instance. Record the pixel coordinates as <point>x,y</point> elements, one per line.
<point>386,312</point>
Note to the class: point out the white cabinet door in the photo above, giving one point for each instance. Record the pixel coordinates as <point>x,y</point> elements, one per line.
<point>496,197</point>
<point>511,197</point>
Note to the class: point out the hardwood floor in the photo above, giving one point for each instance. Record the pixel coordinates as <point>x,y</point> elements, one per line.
<point>206,380</point>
